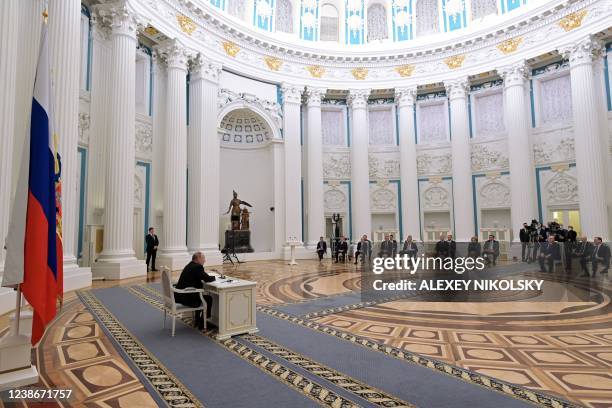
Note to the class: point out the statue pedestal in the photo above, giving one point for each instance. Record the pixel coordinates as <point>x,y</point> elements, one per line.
<point>239,240</point>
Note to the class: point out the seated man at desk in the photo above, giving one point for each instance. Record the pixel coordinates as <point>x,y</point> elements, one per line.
<point>192,277</point>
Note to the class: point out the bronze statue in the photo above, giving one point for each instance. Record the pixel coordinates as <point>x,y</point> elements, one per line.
<point>234,207</point>
<point>244,219</point>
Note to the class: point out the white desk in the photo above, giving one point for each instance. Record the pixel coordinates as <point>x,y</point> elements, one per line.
<point>233,310</point>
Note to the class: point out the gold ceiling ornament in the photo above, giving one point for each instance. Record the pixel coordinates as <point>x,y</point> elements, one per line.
<point>230,48</point>
<point>316,71</point>
<point>273,63</point>
<point>573,20</point>
<point>151,30</point>
<point>359,73</point>
<point>187,25</point>
<point>510,45</point>
<point>405,70</point>
<point>455,61</point>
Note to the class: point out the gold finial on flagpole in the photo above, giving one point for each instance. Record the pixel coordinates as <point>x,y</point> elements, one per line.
<point>45,15</point>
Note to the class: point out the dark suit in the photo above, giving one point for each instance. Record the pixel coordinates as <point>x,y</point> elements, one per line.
<point>152,243</point>
<point>600,258</point>
<point>409,249</point>
<point>341,249</point>
<point>524,237</point>
<point>452,248</point>
<point>393,248</point>
<point>192,277</point>
<point>474,249</point>
<point>582,251</point>
<point>386,249</point>
<point>442,249</point>
<point>549,253</point>
<point>491,249</point>
<point>321,249</point>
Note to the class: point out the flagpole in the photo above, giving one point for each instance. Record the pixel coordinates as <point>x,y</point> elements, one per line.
<point>17,311</point>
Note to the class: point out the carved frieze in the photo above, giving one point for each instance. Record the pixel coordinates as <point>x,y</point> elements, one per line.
<point>562,188</point>
<point>494,194</point>
<point>489,156</point>
<point>383,166</point>
<point>336,166</point>
<point>554,149</point>
<point>383,198</point>
<point>335,200</point>
<point>84,128</point>
<point>434,162</point>
<point>144,138</point>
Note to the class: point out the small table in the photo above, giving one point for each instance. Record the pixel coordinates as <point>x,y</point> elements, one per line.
<point>233,310</point>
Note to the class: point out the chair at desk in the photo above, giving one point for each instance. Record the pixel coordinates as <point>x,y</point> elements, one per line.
<point>168,291</point>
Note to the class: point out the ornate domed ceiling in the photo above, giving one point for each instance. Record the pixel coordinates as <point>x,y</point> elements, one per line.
<point>243,127</point>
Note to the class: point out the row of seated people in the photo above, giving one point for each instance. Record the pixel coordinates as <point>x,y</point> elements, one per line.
<point>551,252</point>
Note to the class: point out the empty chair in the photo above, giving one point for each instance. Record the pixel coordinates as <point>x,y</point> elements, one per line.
<point>170,304</point>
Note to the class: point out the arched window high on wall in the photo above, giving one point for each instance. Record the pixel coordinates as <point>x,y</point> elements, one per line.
<point>283,20</point>
<point>483,8</point>
<point>378,28</point>
<point>329,23</point>
<point>427,21</point>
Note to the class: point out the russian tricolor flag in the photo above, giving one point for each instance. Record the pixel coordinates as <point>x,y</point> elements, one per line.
<point>34,257</point>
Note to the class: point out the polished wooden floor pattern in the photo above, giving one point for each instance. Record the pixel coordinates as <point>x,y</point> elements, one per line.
<point>562,348</point>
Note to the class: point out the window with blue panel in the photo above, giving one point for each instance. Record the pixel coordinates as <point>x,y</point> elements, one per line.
<point>454,14</point>
<point>509,5</point>
<point>309,16</point>
<point>263,13</point>
<point>354,27</point>
<point>402,20</point>
<point>218,4</point>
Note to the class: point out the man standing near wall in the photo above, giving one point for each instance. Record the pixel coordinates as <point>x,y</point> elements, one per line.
<point>151,247</point>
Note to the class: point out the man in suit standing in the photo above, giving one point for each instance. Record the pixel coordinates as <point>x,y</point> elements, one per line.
<point>152,243</point>
<point>491,249</point>
<point>549,253</point>
<point>192,277</point>
<point>524,237</point>
<point>601,256</point>
<point>570,243</point>
<point>321,248</point>
<point>342,249</point>
<point>582,251</point>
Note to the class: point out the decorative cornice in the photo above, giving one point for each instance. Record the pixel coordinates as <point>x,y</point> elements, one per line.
<point>405,96</point>
<point>584,51</point>
<point>457,88</point>
<point>292,94</point>
<point>454,62</point>
<point>231,48</point>
<point>515,74</point>
<point>203,68</point>
<point>186,24</point>
<point>313,95</point>
<point>358,98</point>
<point>405,70</point>
<point>359,73</point>
<point>273,63</point>
<point>316,71</point>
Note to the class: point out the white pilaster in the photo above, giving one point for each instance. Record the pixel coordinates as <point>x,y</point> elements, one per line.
<point>173,247</point>
<point>360,174</point>
<point>65,47</point>
<point>590,164</point>
<point>159,130</point>
<point>463,206</point>
<point>314,156</point>
<point>292,97</point>
<point>203,160</point>
<point>117,260</point>
<point>8,75</point>
<point>405,97</point>
<point>520,153</point>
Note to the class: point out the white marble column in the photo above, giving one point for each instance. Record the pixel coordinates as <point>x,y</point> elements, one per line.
<point>292,98</point>
<point>173,246</point>
<point>8,76</point>
<point>314,157</point>
<point>160,78</point>
<point>409,181</point>
<point>65,52</point>
<point>520,153</point>
<point>203,160</point>
<point>463,206</point>
<point>590,164</point>
<point>360,173</point>
<point>117,260</point>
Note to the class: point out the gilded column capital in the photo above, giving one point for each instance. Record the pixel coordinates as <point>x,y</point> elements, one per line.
<point>405,96</point>
<point>515,74</point>
<point>204,68</point>
<point>358,98</point>
<point>314,95</point>
<point>457,88</point>
<point>292,93</point>
<point>583,51</point>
